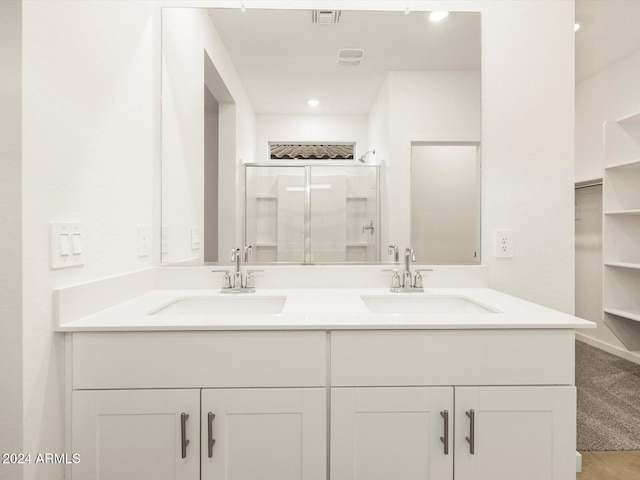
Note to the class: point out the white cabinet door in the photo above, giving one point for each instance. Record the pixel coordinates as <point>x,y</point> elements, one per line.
<point>265,434</point>
<point>524,433</point>
<point>135,434</point>
<point>391,433</point>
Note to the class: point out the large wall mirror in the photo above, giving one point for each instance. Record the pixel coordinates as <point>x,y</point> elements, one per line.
<point>320,136</point>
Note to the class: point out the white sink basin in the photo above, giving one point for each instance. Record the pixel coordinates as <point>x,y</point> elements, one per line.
<point>425,304</point>
<point>223,305</point>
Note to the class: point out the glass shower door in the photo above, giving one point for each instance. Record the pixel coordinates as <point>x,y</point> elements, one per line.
<point>344,214</point>
<point>275,213</point>
<point>312,214</point>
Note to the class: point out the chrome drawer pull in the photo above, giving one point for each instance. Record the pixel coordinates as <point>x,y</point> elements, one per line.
<point>212,441</point>
<point>183,432</point>
<point>445,439</point>
<point>471,439</point>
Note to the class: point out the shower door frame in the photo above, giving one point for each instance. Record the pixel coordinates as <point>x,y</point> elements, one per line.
<point>308,165</point>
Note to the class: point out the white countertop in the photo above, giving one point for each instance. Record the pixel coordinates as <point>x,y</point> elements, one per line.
<point>325,309</point>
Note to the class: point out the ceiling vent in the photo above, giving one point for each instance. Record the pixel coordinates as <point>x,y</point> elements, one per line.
<point>350,56</point>
<point>326,17</point>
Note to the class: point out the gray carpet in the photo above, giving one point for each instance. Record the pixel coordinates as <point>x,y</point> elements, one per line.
<point>608,400</point>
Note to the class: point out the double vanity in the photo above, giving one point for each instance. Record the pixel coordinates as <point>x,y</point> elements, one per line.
<point>179,382</point>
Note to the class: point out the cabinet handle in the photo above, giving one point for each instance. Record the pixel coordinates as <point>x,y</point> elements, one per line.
<point>445,439</point>
<point>212,441</point>
<point>471,439</point>
<point>183,432</point>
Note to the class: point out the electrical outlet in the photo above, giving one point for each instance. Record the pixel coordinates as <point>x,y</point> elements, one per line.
<point>504,243</point>
<point>144,240</point>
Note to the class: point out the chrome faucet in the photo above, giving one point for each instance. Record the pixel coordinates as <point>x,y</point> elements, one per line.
<point>407,277</point>
<point>239,283</point>
<point>237,276</point>
<point>408,282</point>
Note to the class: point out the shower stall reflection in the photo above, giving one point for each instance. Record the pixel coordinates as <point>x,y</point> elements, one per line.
<point>312,213</point>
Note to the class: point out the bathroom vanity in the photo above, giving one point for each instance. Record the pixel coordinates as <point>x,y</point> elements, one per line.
<point>461,383</point>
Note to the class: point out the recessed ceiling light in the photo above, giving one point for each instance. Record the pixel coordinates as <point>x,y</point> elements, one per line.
<point>313,102</point>
<point>435,17</point>
<point>576,27</point>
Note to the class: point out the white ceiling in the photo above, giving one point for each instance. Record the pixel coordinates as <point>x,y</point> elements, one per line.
<point>283,59</point>
<point>610,31</point>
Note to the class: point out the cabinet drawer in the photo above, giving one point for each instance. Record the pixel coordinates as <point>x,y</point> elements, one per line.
<point>198,359</point>
<point>447,357</point>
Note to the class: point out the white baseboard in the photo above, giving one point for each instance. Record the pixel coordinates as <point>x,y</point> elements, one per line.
<point>578,462</point>
<point>612,349</point>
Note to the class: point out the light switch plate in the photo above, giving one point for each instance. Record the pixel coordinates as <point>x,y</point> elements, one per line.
<point>67,243</point>
<point>144,240</point>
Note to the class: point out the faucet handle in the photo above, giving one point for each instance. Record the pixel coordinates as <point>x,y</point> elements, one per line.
<point>417,280</point>
<point>248,252</point>
<point>395,280</point>
<point>249,281</point>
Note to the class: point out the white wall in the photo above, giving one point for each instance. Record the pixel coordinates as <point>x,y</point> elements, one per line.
<point>310,128</point>
<point>91,90</point>
<point>187,33</point>
<point>528,147</point>
<point>423,106</point>
<point>10,235</point>
<point>379,132</point>
<point>608,95</point>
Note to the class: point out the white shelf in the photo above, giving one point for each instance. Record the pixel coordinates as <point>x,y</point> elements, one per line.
<point>621,239</point>
<point>624,212</point>
<point>632,164</point>
<point>623,313</point>
<point>635,266</point>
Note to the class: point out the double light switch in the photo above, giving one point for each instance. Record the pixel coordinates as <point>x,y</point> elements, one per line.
<point>66,241</point>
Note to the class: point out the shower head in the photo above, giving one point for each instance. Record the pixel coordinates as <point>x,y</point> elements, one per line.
<point>364,156</point>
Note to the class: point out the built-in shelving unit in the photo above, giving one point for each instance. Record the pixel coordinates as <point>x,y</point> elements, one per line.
<point>621,235</point>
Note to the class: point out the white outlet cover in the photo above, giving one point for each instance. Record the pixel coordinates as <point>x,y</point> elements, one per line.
<point>144,240</point>
<point>67,242</point>
<point>504,243</point>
